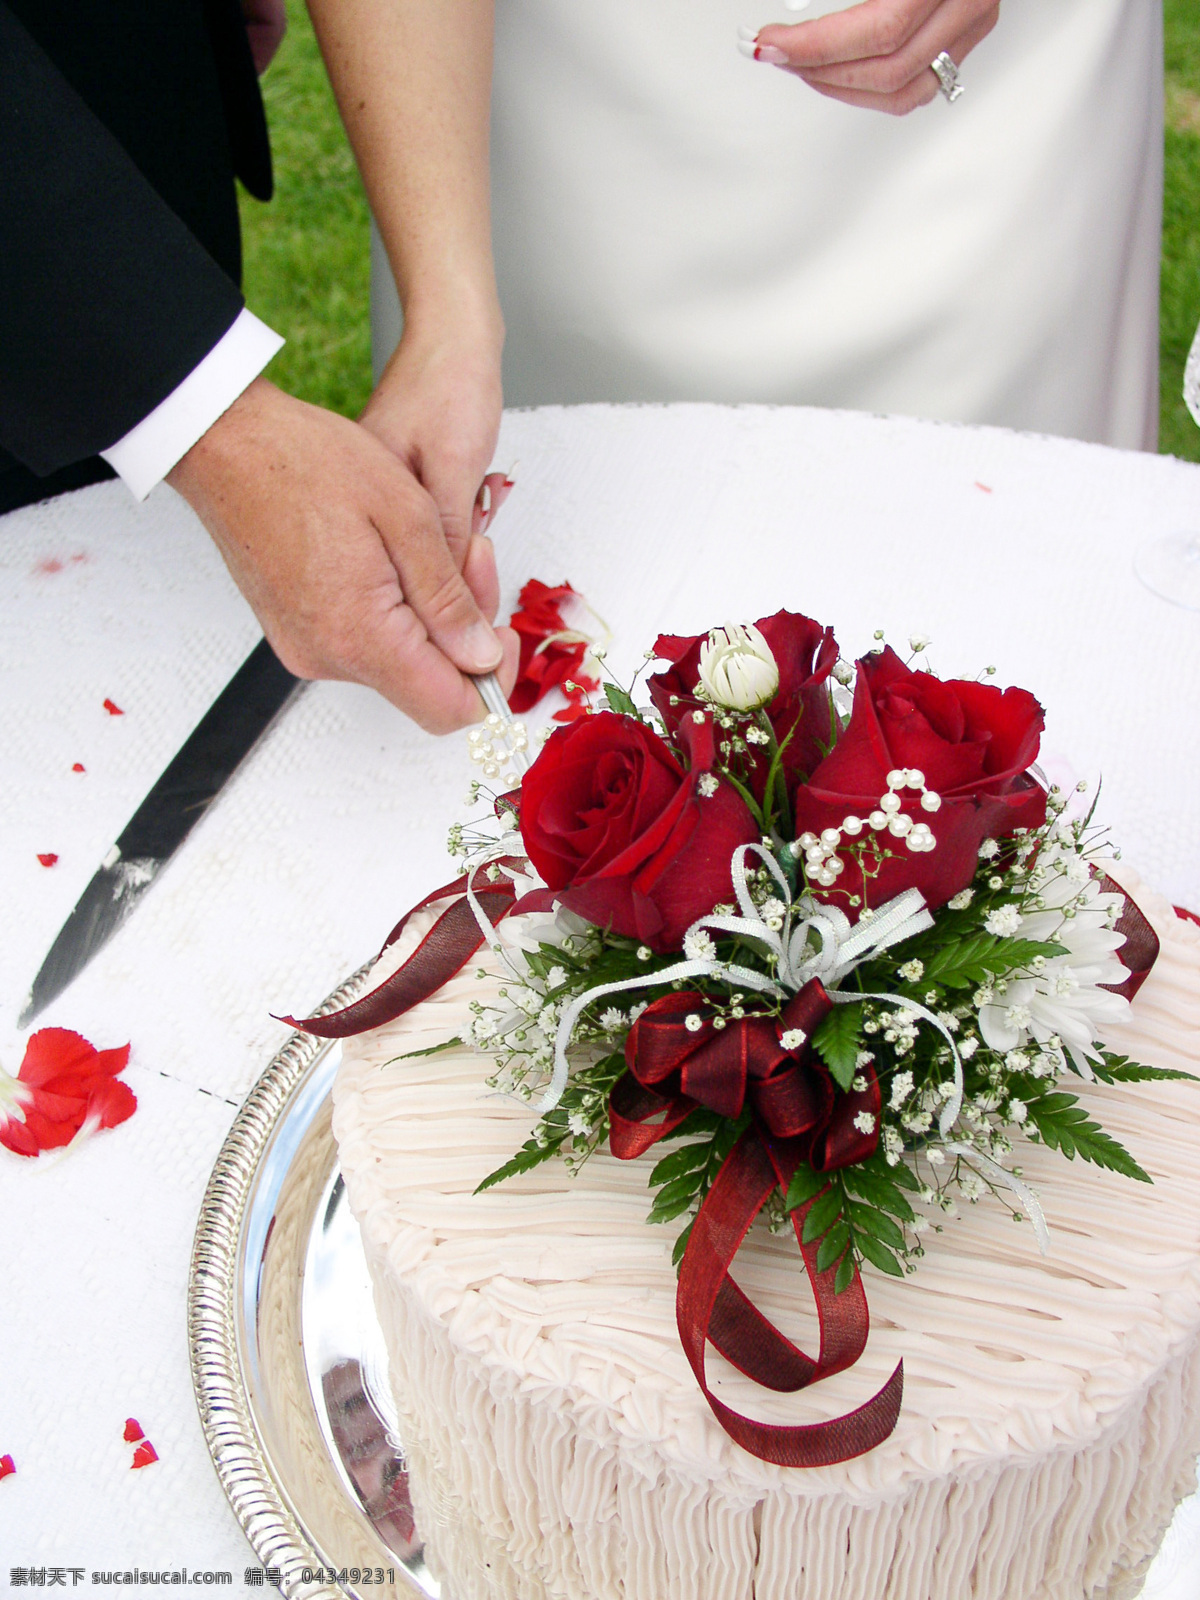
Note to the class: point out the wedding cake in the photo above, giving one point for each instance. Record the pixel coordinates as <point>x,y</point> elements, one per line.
<point>812,962</point>
<point>560,1447</point>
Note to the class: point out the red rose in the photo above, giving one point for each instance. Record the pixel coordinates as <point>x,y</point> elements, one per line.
<point>624,834</point>
<point>973,743</point>
<point>805,654</point>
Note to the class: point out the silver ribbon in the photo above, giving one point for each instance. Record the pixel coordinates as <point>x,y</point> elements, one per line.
<point>1022,1191</point>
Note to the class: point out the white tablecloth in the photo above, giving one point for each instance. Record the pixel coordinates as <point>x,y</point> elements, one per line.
<point>1006,549</point>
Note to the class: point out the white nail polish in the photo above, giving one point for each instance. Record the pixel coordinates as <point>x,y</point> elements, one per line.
<point>747,33</point>
<point>796,5</point>
<point>747,47</point>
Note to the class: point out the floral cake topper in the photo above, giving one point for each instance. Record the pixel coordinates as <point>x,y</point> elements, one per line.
<point>819,931</point>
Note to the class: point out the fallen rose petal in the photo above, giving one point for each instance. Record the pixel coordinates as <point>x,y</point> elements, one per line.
<point>144,1455</point>
<point>78,766</point>
<point>47,858</point>
<point>65,1085</point>
<point>7,1466</point>
<point>113,708</point>
<point>133,1430</point>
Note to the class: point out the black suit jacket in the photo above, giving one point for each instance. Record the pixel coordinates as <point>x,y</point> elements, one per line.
<point>122,125</point>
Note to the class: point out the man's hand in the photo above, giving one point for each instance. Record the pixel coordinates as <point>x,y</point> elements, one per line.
<point>341,554</point>
<point>878,54</point>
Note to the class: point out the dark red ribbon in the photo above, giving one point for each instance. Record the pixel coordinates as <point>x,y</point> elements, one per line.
<point>1140,950</point>
<point>441,954</point>
<point>799,1115</point>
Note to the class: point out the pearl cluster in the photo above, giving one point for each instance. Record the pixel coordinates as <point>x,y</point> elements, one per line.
<point>497,745</point>
<point>820,850</point>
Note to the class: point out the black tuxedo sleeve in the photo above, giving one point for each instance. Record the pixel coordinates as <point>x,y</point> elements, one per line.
<point>107,300</point>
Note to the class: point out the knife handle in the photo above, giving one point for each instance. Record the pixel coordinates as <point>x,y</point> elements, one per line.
<point>226,733</point>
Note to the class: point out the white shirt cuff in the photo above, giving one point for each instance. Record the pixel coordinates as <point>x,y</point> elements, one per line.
<point>150,449</point>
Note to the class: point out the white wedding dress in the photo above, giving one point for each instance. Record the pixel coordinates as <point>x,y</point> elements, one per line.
<point>675,222</point>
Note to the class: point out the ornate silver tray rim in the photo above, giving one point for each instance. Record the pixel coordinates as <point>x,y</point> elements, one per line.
<point>231,1242</point>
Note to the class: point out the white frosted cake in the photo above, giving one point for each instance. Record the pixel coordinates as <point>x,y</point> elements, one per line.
<point>560,1447</point>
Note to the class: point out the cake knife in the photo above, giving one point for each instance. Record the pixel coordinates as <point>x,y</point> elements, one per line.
<point>224,736</point>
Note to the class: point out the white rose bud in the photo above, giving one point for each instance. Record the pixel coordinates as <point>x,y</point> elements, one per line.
<point>737,668</point>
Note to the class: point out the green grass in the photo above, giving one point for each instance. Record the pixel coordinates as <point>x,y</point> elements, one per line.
<point>1180,311</point>
<point>306,253</point>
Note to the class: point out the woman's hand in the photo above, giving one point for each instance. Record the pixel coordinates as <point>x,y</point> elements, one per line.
<point>878,54</point>
<point>437,407</point>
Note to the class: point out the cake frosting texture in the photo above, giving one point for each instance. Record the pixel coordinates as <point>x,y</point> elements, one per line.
<point>559,1446</point>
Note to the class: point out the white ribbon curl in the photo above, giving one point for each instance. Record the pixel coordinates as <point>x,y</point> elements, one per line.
<point>998,1174</point>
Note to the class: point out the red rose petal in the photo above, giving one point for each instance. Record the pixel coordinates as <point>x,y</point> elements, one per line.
<point>113,708</point>
<point>7,1466</point>
<point>133,1430</point>
<point>47,858</point>
<point>66,1081</point>
<point>78,766</point>
<point>144,1455</point>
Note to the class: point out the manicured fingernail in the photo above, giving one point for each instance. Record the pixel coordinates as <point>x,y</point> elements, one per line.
<point>481,648</point>
<point>747,33</point>
<point>796,5</point>
<point>769,54</point>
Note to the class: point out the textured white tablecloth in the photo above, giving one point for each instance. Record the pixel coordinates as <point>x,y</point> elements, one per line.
<point>1006,549</point>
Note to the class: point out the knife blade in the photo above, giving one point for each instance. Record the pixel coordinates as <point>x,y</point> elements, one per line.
<point>224,736</point>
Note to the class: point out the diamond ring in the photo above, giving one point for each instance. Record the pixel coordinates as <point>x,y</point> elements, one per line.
<point>947,77</point>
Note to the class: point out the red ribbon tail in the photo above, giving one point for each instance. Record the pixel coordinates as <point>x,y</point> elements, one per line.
<point>443,952</point>
<point>1140,950</point>
<point>710,1307</point>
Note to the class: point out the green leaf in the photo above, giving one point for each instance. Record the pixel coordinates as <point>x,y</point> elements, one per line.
<point>805,1183</point>
<point>845,1273</point>
<point>1064,1125</point>
<point>833,1246</point>
<point>620,700</point>
<point>433,1050</point>
<point>825,1212</point>
<point>836,1041</point>
<point>530,1155</point>
<point>982,956</point>
<point>675,1197</point>
<point>1119,1069</point>
<point>900,1174</point>
<point>878,1254</point>
<point>686,1159</point>
<point>681,1243</point>
<point>880,1191</point>
<point>877,1224</point>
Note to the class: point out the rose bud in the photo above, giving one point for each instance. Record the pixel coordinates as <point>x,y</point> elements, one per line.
<point>799,711</point>
<point>737,669</point>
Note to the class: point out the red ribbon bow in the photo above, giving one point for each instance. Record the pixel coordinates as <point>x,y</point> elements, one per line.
<point>678,1058</point>
<point>681,1055</point>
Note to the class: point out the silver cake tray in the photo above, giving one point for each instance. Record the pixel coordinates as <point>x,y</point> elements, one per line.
<point>289,1364</point>
<point>288,1359</point>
